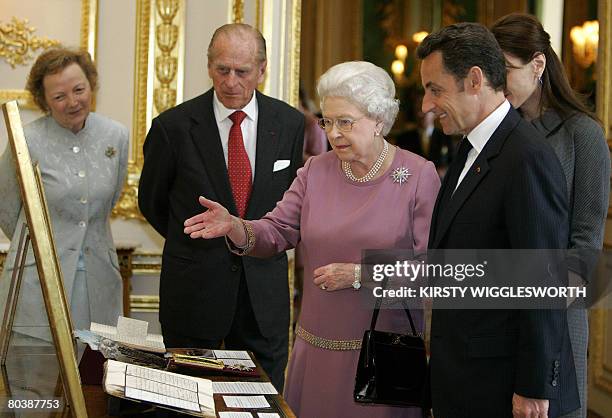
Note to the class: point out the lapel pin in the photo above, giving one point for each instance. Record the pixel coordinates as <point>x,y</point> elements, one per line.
<point>478,169</point>
<point>110,152</point>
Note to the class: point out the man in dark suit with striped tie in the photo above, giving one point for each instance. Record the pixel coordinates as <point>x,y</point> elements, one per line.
<point>504,190</point>
<point>242,149</point>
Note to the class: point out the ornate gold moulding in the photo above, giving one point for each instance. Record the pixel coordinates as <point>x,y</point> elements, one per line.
<point>166,65</point>
<point>17,42</point>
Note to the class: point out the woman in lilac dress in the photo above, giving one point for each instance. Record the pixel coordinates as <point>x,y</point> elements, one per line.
<point>341,203</point>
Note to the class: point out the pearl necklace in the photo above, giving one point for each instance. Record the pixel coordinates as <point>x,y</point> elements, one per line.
<point>346,166</point>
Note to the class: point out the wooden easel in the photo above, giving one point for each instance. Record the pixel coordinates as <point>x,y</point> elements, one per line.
<point>11,301</point>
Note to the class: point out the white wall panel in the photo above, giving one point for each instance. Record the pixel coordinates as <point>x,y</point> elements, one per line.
<point>202,18</point>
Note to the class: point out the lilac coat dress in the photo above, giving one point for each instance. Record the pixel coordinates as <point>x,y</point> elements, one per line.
<point>335,218</point>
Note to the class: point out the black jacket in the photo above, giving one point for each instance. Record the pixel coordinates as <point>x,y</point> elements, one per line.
<point>513,197</point>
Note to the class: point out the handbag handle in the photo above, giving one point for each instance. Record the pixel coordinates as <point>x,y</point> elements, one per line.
<point>377,309</point>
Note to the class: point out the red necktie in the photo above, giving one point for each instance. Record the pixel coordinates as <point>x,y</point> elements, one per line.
<point>238,164</point>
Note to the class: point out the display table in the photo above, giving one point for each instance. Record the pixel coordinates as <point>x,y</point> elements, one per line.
<point>32,373</point>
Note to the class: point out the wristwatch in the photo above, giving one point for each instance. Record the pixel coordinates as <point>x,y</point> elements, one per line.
<point>357,282</point>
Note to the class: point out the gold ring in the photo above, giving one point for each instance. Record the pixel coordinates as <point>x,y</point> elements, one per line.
<point>323,287</point>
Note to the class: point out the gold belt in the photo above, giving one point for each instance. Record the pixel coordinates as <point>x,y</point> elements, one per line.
<point>325,343</point>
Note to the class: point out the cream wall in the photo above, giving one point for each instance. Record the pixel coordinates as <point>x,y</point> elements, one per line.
<point>201,20</point>
<point>116,59</point>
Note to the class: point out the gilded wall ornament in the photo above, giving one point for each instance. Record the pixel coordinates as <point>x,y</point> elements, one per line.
<point>17,42</point>
<point>127,206</point>
<point>237,11</point>
<point>166,65</point>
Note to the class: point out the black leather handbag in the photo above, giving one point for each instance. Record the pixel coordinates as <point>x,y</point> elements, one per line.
<point>392,367</point>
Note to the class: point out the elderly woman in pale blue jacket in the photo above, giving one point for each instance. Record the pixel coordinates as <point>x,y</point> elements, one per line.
<point>83,161</point>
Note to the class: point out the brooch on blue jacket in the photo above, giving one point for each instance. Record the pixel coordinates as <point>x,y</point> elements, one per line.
<point>110,152</point>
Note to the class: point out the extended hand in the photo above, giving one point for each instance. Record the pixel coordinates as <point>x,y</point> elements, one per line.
<point>335,276</point>
<point>214,222</point>
<point>529,408</point>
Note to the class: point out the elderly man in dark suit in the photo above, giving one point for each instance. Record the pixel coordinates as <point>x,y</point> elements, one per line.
<point>504,190</point>
<point>241,148</point>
